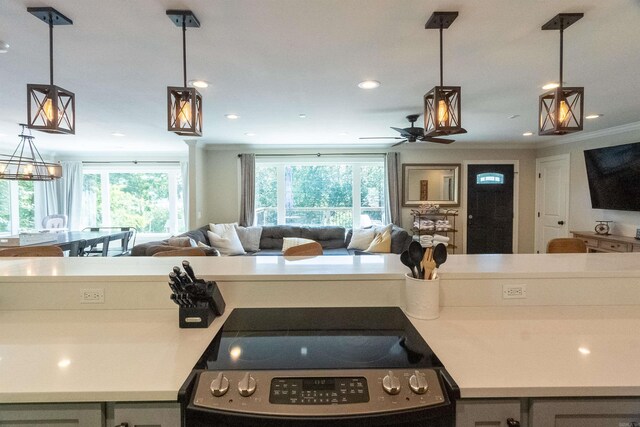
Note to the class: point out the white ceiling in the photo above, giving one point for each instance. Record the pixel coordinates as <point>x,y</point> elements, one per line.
<point>271,60</point>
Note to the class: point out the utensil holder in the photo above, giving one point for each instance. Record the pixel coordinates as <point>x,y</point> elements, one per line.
<point>196,317</point>
<point>422,298</point>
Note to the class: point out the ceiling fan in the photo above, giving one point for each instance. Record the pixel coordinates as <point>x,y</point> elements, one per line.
<point>411,134</point>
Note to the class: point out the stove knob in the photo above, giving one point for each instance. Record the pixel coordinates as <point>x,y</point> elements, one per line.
<point>247,385</point>
<point>391,383</point>
<point>418,383</point>
<point>220,385</point>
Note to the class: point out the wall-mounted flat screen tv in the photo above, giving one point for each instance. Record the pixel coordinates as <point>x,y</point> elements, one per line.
<point>614,177</point>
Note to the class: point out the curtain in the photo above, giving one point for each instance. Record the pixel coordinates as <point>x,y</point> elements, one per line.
<point>61,196</point>
<point>184,173</point>
<point>247,189</point>
<point>391,192</point>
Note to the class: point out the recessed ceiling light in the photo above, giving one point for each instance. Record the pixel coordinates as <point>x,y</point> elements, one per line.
<point>302,116</point>
<point>584,350</point>
<point>118,134</point>
<point>527,134</point>
<point>593,116</point>
<point>369,84</point>
<point>551,85</point>
<point>198,83</point>
<point>232,116</point>
<point>343,133</point>
<point>514,116</point>
<point>250,134</point>
<point>4,47</point>
<point>63,363</point>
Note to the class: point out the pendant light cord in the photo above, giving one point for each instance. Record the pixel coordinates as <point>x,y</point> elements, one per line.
<point>184,49</point>
<point>561,44</point>
<point>50,49</point>
<point>441,66</point>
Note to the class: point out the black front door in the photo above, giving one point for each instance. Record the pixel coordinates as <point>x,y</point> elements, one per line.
<point>490,209</point>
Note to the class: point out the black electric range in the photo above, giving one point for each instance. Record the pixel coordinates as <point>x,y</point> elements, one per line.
<point>314,366</point>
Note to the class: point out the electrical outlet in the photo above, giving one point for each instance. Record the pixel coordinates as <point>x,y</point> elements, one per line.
<point>92,296</point>
<point>514,291</point>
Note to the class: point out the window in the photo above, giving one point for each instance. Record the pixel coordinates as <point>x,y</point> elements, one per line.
<point>490,178</point>
<point>319,192</point>
<point>148,197</point>
<point>16,207</point>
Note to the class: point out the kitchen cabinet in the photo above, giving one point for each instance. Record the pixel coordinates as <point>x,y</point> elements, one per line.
<point>607,242</point>
<point>144,414</point>
<point>427,224</point>
<point>58,414</point>
<point>596,412</point>
<point>488,413</point>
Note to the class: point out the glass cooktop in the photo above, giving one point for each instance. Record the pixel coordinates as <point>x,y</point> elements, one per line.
<point>317,338</point>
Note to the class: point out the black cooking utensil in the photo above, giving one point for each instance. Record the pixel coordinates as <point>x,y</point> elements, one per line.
<point>404,258</point>
<point>439,257</point>
<point>189,270</point>
<point>415,255</point>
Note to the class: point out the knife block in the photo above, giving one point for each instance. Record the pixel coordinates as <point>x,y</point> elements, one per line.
<point>196,317</point>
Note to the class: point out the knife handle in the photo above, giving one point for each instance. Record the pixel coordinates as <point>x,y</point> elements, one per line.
<point>189,270</point>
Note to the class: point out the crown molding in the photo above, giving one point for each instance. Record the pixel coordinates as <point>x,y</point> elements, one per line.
<point>584,136</point>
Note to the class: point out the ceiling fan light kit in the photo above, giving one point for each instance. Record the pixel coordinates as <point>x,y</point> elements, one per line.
<point>184,104</point>
<point>442,115</point>
<point>26,163</point>
<point>561,109</point>
<point>50,108</point>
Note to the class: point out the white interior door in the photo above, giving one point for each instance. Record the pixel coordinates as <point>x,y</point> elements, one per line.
<point>552,200</point>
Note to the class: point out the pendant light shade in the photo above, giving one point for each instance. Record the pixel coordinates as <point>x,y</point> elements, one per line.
<point>26,163</point>
<point>184,104</point>
<point>560,110</point>
<point>442,115</point>
<point>50,108</point>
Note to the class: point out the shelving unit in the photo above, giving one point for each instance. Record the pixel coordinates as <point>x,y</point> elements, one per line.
<point>435,216</point>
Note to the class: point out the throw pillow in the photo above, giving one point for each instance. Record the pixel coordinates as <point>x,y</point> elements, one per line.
<point>361,238</point>
<point>203,245</point>
<point>249,237</point>
<point>290,242</point>
<point>229,244</point>
<point>381,243</point>
<point>182,242</point>
<point>222,229</point>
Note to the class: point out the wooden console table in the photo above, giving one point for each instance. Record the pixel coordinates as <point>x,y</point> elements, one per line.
<point>607,242</point>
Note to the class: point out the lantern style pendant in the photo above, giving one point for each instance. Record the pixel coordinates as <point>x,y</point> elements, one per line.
<point>561,109</point>
<point>184,104</point>
<point>50,108</point>
<point>442,115</point>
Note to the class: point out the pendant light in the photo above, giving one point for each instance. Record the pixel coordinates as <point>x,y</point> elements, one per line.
<point>442,103</point>
<point>50,108</point>
<point>26,163</point>
<point>184,104</point>
<point>561,109</point>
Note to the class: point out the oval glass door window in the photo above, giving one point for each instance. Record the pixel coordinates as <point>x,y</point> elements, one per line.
<point>490,178</point>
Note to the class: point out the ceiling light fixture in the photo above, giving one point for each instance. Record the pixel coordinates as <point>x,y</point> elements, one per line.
<point>117,134</point>
<point>232,116</point>
<point>26,163</point>
<point>4,46</point>
<point>302,116</point>
<point>369,84</point>
<point>198,83</point>
<point>250,134</point>
<point>50,108</point>
<point>560,109</point>
<point>442,103</point>
<point>593,116</point>
<point>527,134</point>
<point>184,104</point>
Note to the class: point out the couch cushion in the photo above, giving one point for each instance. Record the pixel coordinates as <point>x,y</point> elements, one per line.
<point>330,237</point>
<point>182,242</point>
<point>249,237</point>
<point>272,235</point>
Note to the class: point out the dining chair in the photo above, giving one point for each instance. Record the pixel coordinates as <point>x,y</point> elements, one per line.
<point>105,248</point>
<point>32,251</point>
<point>307,249</point>
<point>181,252</point>
<point>566,245</point>
<point>54,221</point>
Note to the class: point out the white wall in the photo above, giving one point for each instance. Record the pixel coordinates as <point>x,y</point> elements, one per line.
<point>222,181</point>
<point>581,216</point>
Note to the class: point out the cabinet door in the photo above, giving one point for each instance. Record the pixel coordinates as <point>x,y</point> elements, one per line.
<point>486,413</point>
<point>52,414</point>
<point>585,412</point>
<point>152,414</point>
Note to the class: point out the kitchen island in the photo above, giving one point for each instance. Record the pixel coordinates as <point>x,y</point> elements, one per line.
<point>574,335</point>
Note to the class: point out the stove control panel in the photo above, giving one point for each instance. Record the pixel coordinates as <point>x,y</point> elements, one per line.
<point>319,392</point>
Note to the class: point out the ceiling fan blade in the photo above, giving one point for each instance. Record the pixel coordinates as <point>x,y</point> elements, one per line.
<point>399,143</point>
<point>381,137</point>
<point>402,132</point>
<point>438,140</point>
